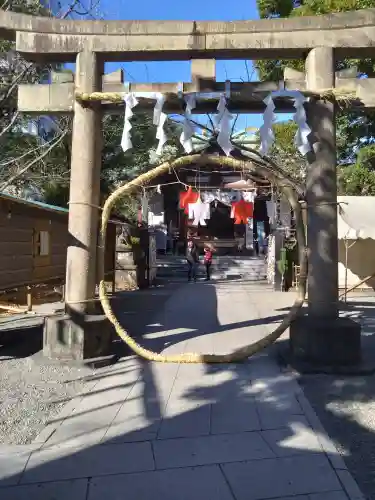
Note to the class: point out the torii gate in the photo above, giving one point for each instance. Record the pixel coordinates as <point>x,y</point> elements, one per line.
<point>322,336</point>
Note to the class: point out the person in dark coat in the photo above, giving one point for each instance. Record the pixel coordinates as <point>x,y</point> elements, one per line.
<point>192,258</point>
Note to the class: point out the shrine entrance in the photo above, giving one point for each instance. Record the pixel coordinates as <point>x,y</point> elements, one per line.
<point>220,225</point>
<point>321,336</point>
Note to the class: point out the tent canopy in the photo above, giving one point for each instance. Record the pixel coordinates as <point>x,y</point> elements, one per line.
<point>356,217</point>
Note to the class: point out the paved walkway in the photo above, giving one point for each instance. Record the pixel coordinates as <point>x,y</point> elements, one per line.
<point>188,432</point>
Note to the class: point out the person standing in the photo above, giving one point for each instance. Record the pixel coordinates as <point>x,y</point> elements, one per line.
<point>192,258</point>
<point>208,254</point>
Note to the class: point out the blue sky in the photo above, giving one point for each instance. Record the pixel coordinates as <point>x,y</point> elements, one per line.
<point>179,71</point>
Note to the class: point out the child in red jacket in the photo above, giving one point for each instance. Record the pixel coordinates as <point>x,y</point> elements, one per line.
<point>208,253</point>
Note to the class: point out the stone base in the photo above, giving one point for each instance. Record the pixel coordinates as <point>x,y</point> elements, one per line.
<point>89,337</point>
<point>333,343</point>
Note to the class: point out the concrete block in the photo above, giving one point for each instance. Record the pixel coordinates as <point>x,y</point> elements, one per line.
<point>320,342</point>
<point>293,74</point>
<point>210,450</point>
<point>77,338</point>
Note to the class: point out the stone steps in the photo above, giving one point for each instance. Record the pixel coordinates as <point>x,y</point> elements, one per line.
<point>223,267</point>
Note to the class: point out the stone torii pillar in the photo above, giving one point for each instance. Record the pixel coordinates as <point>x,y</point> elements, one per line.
<point>321,336</point>
<point>80,333</point>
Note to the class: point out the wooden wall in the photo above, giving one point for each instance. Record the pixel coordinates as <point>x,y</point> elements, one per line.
<point>19,263</point>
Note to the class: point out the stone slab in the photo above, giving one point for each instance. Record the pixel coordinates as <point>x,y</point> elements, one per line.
<point>199,483</point>
<point>330,495</point>
<point>235,415</point>
<point>12,467</point>
<point>274,478</point>
<point>60,463</point>
<point>294,440</point>
<point>140,416</point>
<point>75,489</point>
<point>272,417</point>
<point>185,420</point>
<point>207,450</point>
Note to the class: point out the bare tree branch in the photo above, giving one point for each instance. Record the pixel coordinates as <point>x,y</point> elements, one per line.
<point>10,124</point>
<point>32,163</point>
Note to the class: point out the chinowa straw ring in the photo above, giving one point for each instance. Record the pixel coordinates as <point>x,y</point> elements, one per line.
<point>276,176</point>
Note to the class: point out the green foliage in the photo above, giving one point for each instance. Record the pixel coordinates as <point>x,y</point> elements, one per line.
<point>366,157</point>
<point>356,180</point>
<point>284,135</point>
<point>117,167</point>
<point>56,193</point>
<point>282,263</point>
<point>284,152</point>
<point>273,70</point>
<point>274,8</point>
<point>355,132</point>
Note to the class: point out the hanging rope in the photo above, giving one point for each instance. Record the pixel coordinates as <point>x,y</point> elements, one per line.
<point>144,179</point>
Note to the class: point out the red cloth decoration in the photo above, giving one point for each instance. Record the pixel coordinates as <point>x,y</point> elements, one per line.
<point>242,210</point>
<point>188,197</point>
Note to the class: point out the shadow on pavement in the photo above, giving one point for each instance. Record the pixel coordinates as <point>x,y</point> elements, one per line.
<point>161,431</point>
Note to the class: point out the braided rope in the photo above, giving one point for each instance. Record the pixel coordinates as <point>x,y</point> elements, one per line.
<point>239,354</point>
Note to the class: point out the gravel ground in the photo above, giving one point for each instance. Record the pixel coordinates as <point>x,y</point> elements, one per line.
<point>33,390</point>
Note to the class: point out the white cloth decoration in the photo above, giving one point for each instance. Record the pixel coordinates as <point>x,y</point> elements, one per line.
<point>159,120</point>
<point>223,126</point>
<point>301,138</point>
<point>187,127</point>
<point>225,197</point>
<point>130,102</point>
<point>198,212</point>
<point>285,213</point>
<point>250,233</point>
<point>266,133</point>
<point>271,212</point>
<point>248,196</point>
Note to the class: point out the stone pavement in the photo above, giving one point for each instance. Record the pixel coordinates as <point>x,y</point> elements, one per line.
<point>188,432</point>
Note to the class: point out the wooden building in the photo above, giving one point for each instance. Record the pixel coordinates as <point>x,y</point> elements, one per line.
<point>33,243</point>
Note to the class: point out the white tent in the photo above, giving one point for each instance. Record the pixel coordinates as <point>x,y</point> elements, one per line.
<point>356,245</point>
<point>356,217</point>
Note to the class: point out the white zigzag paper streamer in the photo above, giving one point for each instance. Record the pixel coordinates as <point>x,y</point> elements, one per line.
<point>159,119</point>
<point>187,128</point>
<point>130,102</point>
<point>223,126</point>
<point>265,131</point>
<point>301,138</point>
